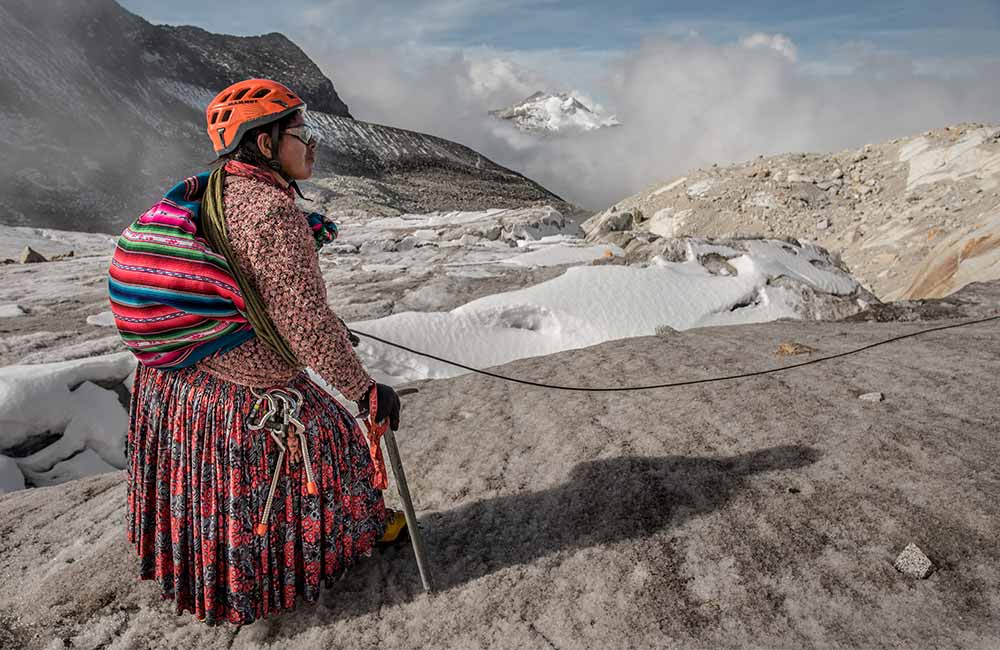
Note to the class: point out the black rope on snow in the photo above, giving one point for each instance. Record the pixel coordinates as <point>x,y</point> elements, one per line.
<point>675,384</point>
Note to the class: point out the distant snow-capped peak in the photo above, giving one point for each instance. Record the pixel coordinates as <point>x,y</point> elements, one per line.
<point>546,113</point>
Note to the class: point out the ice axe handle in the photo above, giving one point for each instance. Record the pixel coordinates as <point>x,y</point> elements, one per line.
<point>404,495</point>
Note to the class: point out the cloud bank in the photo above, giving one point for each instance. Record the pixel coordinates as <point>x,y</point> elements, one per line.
<point>684,103</point>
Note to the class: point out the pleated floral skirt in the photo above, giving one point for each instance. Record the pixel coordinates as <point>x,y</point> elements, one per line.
<point>198,480</point>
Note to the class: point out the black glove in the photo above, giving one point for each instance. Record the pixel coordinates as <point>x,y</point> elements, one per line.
<point>388,405</point>
<point>351,336</point>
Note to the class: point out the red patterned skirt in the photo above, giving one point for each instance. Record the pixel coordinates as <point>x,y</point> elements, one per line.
<point>198,480</point>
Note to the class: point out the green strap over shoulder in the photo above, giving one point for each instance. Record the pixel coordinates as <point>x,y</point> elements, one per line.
<point>213,225</point>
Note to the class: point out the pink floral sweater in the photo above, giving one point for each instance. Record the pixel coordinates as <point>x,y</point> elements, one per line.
<point>274,247</point>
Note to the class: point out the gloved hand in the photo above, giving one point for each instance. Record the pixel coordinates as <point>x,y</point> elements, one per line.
<point>324,229</point>
<point>388,405</point>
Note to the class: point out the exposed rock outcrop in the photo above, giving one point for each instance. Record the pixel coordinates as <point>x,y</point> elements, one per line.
<point>912,218</point>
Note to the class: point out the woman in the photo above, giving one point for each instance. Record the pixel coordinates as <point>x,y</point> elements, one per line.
<point>247,483</point>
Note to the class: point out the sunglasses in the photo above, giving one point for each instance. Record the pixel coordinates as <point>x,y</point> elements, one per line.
<point>304,134</point>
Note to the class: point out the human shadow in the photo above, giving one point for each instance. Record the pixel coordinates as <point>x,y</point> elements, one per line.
<point>604,501</point>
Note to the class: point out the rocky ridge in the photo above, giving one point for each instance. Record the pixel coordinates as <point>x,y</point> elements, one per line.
<point>912,218</point>
<point>102,111</point>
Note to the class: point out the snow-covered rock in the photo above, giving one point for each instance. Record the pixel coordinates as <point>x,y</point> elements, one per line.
<point>64,399</point>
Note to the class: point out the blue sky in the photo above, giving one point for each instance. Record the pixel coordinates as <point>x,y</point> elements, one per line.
<point>694,82</point>
<point>962,30</point>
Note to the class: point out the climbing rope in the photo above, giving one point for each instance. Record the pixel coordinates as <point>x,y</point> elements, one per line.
<point>675,384</point>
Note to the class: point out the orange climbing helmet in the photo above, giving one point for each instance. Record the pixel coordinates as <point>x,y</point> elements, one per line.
<point>246,105</point>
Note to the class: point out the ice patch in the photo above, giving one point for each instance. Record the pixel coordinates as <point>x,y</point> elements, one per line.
<point>474,274</point>
<point>701,188</point>
<point>762,200</point>
<point>669,186</point>
<point>10,311</point>
<point>560,254</point>
<point>963,159</point>
<point>104,319</point>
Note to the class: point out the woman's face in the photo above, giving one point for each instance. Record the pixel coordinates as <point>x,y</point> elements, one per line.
<point>296,156</point>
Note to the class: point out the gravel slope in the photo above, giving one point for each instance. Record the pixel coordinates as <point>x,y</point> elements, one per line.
<point>915,217</point>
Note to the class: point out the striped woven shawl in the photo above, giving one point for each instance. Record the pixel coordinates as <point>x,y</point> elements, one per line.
<point>175,301</point>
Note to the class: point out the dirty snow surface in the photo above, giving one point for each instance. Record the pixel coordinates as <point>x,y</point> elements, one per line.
<point>482,288</point>
<point>761,513</point>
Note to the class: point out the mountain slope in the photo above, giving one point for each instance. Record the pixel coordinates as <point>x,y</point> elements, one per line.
<point>915,217</point>
<point>101,110</point>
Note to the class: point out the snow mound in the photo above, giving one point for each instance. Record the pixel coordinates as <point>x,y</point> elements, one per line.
<point>744,282</point>
<point>64,399</point>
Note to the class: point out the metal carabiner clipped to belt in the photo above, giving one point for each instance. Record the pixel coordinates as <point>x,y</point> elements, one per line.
<point>281,420</point>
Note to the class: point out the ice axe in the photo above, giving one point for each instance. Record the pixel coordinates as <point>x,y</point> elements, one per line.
<point>404,495</point>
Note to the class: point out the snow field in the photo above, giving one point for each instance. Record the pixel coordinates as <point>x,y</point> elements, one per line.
<point>586,305</point>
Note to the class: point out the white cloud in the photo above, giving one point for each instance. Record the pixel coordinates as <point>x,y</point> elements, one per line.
<point>683,102</point>
<point>777,42</point>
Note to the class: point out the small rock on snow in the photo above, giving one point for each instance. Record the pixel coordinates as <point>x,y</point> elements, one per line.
<point>30,256</point>
<point>790,348</point>
<point>913,562</point>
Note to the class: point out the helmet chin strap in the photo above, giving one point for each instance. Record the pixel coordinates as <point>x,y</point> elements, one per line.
<point>275,164</point>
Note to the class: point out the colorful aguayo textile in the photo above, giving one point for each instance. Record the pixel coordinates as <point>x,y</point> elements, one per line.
<point>175,301</point>
<point>198,480</point>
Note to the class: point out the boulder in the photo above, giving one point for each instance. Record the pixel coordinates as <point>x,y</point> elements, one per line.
<point>620,221</point>
<point>30,256</point>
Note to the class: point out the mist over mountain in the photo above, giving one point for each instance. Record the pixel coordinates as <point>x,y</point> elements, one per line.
<point>545,113</point>
<point>101,110</point>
